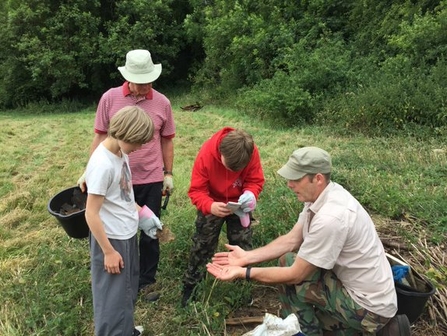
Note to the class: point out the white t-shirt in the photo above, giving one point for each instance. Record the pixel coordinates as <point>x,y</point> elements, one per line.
<point>109,175</point>
<point>342,237</point>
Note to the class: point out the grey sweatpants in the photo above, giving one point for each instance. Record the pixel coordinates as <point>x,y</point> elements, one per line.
<point>114,295</point>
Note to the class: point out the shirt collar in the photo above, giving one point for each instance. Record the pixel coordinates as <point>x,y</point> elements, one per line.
<point>319,202</point>
<point>126,91</point>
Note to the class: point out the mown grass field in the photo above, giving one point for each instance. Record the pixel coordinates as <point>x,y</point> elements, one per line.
<point>44,274</point>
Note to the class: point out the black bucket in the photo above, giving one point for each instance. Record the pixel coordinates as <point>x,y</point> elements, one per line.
<point>411,300</point>
<point>68,207</point>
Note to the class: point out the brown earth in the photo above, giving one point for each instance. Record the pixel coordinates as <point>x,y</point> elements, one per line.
<point>265,298</point>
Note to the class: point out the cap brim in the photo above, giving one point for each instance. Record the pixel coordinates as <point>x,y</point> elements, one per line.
<point>290,174</point>
<point>141,78</point>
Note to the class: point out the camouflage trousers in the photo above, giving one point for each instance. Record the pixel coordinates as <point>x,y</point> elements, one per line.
<point>324,307</point>
<point>206,238</point>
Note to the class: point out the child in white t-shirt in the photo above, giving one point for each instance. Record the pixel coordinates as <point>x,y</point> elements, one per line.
<point>113,218</point>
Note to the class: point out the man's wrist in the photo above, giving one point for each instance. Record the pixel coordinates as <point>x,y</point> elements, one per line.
<point>247,273</point>
<point>168,172</point>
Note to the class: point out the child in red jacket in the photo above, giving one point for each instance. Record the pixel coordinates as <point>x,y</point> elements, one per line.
<point>227,169</point>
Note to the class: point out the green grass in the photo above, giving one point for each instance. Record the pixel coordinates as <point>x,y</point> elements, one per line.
<point>44,275</point>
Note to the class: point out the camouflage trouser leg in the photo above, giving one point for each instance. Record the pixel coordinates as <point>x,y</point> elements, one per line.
<point>205,241</point>
<point>322,304</point>
<point>237,234</point>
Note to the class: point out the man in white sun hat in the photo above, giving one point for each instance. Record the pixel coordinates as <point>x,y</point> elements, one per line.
<point>333,271</point>
<point>152,165</point>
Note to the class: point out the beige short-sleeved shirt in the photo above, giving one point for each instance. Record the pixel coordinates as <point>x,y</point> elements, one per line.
<point>343,238</point>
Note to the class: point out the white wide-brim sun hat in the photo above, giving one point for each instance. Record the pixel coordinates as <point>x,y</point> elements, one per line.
<point>139,68</point>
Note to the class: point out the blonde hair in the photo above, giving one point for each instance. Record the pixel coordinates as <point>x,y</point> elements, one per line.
<point>237,148</point>
<point>131,124</point>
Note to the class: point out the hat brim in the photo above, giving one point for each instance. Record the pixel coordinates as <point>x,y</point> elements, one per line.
<point>290,174</point>
<point>141,78</point>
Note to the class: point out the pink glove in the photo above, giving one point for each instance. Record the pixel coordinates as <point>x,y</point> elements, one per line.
<point>248,201</point>
<point>145,212</point>
<point>244,217</point>
<point>148,222</point>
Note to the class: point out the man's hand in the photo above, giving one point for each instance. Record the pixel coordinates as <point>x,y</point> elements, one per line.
<point>226,273</point>
<point>248,201</point>
<point>81,182</point>
<point>168,184</point>
<point>236,256</point>
<point>113,262</point>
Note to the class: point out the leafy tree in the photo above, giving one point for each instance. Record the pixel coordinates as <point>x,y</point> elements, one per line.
<point>139,24</point>
<point>422,39</point>
<point>54,45</point>
<point>308,76</point>
<point>367,64</point>
<point>240,41</point>
<point>67,48</point>
<point>5,53</point>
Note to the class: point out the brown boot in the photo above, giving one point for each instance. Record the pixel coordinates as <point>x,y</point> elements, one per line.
<point>399,325</point>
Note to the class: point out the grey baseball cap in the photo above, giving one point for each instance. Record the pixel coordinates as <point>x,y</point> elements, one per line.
<point>306,160</point>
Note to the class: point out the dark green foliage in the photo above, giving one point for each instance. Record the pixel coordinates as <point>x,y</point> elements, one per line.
<point>54,50</point>
<point>422,39</point>
<point>280,97</point>
<point>373,66</point>
<point>295,93</point>
<point>396,97</point>
<point>137,24</point>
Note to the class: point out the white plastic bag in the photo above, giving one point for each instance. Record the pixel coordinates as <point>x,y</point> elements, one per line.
<point>276,326</point>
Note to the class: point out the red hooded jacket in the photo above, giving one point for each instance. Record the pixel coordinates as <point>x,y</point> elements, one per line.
<point>212,182</point>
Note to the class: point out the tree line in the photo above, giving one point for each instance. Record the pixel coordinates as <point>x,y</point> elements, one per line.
<point>367,65</point>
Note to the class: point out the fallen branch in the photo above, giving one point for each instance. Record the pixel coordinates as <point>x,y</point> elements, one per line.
<point>390,243</point>
<point>244,320</point>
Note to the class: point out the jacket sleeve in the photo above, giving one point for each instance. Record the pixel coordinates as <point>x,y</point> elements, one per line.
<point>254,179</point>
<point>198,190</point>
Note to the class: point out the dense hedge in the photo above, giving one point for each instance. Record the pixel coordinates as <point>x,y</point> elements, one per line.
<point>64,49</point>
<point>370,65</point>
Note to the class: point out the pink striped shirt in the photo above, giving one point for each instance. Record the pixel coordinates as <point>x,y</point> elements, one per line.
<point>146,163</point>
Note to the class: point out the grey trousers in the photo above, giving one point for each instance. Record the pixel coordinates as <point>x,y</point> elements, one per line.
<point>114,295</point>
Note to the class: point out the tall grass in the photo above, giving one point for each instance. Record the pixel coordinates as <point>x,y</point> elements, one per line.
<point>44,274</point>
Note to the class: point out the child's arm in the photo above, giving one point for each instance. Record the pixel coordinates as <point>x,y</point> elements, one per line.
<point>113,262</point>
<point>254,179</point>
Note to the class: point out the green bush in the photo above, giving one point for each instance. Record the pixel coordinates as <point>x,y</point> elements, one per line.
<point>295,94</point>
<point>394,98</point>
<point>280,99</point>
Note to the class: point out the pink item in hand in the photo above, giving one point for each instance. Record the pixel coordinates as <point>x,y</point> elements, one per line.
<point>244,217</point>
<point>145,212</point>
<point>248,201</point>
